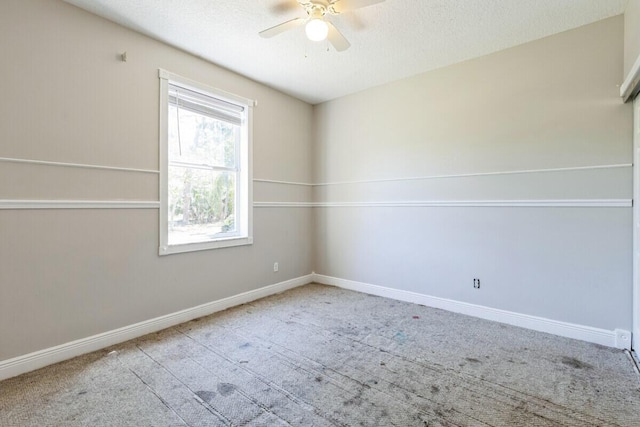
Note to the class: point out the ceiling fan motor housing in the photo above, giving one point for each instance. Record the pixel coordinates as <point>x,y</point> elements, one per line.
<point>316,9</point>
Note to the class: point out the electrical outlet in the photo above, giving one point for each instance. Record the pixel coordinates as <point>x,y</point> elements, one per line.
<point>275,267</point>
<point>476,283</point>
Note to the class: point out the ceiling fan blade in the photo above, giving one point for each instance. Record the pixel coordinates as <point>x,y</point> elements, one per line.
<point>285,6</point>
<point>336,38</point>
<point>341,6</point>
<point>281,28</point>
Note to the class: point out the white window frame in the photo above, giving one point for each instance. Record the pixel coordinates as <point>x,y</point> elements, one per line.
<point>244,186</point>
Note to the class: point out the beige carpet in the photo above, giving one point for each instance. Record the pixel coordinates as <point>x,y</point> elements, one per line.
<point>322,356</point>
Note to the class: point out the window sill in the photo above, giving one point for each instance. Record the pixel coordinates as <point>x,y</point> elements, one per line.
<point>204,246</point>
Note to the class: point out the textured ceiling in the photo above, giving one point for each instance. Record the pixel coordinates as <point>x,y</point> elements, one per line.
<point>389,40</point>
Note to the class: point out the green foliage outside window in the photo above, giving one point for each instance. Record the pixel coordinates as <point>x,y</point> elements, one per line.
<point>201,196</point>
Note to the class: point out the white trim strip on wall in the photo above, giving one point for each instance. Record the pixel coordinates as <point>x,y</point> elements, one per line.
<point>29,362</point>
<point>512,172</point>
<point>76,165</point>
<point>617,338</point>
<point>571,203</point>
<point>273,181</point>
<point>123,169</point>
<point>137,204</point>
<point>284,204</point>
<point>78,204</point>
<point>306,184</point>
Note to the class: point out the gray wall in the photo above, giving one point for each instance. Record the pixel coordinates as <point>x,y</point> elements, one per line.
<point>553,103</point>
<point>68,274</point>
<point>631,34</point>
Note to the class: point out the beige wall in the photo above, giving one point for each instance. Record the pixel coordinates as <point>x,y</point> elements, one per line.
<point>549,104</point>
<point>68,274</point>
<point>631,35</point>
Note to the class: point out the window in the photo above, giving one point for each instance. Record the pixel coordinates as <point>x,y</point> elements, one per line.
<point>205,167</point>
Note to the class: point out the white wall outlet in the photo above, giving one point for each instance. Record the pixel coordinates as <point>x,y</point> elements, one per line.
<point>623,339</point>
<point>275,267</point>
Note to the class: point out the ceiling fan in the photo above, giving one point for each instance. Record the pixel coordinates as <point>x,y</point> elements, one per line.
<point>317,27</point>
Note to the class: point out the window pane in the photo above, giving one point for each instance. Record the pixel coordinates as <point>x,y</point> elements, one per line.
<point>200,139</point>
<point>201,205</point>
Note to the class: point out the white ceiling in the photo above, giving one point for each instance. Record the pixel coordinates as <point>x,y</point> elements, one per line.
<point>389,40</point>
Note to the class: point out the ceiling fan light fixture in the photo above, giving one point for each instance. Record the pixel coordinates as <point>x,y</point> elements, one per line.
<point>316,29</point>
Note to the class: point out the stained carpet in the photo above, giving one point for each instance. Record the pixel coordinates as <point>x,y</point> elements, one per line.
<point>323,356</point>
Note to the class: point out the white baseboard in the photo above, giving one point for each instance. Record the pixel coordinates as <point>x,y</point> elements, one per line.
<point>617,338</point>
<point>32,361</point>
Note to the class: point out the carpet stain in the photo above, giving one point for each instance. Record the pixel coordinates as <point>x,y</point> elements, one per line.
<point>225,389</point>
<point>355,400</point>
<point>472,360</point>
<point>205,395</point>
<point>245,345</point>
<point>435,389</point>
<point>575,363</point>
<point>400,337</point>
